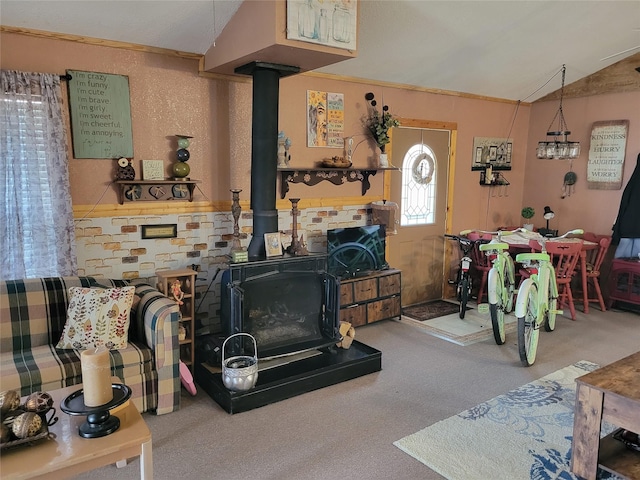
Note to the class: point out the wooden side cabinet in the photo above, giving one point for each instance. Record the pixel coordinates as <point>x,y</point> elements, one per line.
<point>372,298</point>
<point>187,278</point>
<point>624,281</point>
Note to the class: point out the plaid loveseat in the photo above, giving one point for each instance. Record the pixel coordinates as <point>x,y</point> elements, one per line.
<point>33,314</point>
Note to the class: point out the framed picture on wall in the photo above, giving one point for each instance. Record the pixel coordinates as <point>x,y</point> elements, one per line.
<point>168,230</point>
<point>325,119</point>
<point>493,152</point>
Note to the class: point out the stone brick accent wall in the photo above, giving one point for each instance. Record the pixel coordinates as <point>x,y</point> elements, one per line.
<point>112,247</point>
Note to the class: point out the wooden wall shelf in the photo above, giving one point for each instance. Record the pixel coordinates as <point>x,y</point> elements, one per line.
<point>337,176</point>
<point>151,190</point>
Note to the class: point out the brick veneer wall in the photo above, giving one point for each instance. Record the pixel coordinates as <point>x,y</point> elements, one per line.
<point>112,247</point>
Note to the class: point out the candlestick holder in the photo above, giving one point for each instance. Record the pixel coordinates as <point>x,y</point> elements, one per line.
<point>99,422</point>
<point>296,248</point>
<point>236,209</point>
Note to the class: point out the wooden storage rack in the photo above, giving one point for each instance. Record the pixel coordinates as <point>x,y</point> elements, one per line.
<point>187,310</point>
<point>371,298</point>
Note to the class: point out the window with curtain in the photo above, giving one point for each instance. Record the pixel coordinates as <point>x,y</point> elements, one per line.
<point>38,237</point>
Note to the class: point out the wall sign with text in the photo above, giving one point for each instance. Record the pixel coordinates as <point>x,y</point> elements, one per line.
<point>100,115</point>
<point>605,166</point>
<point>325,119</point>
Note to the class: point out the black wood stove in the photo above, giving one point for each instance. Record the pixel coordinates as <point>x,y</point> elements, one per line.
<point>290,305</point>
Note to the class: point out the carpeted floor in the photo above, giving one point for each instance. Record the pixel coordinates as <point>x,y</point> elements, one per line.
<point>437,320</point>
<point>423,381</point>
<point>525,433</point>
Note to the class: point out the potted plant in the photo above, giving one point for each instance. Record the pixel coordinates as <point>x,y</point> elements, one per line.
<point>528,213</point>
<point>378,123</point>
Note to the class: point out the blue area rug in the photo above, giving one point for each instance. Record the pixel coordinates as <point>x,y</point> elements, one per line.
<point>524,434</point>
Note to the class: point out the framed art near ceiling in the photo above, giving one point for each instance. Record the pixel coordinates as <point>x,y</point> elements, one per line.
<point>492,152</point>
<point>608,144</point>
<point>325,22</point>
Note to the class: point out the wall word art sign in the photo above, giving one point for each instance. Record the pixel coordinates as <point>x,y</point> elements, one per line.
<point>100,115</point>
<point>605,167</point>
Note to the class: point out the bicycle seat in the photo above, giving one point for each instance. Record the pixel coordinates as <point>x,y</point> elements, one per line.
<point>527,257</point>
<point>493,246</point>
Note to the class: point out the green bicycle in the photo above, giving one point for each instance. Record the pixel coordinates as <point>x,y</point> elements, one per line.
<point>500,281</point>
<point>537,301</point>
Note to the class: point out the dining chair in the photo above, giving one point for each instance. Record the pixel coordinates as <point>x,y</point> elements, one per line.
<point>523,273</point>
<point>481,262</point>
<point>591,237</point>
<point>565,257</point>
<point>593,261</point>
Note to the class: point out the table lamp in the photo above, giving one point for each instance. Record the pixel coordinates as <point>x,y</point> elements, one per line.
<point>548,215</point>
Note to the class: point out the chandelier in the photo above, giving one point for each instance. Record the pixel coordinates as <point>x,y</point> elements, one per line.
<point>560,147</point>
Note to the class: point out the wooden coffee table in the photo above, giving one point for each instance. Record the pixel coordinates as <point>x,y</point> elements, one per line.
<point>612,394</point>
<point>69,454</point>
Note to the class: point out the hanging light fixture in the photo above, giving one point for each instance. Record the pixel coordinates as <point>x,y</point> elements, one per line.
<point>560,147</point>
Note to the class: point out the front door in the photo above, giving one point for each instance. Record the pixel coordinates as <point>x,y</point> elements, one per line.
<point>420,190</point>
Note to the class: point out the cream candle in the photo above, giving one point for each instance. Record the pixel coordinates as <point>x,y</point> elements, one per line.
<point>96,376</point>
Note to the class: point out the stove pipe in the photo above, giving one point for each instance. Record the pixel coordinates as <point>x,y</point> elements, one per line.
<point>264,149</point>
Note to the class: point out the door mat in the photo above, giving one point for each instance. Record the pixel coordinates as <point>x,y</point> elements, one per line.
<point>443,321</point>
<point>429,310</point>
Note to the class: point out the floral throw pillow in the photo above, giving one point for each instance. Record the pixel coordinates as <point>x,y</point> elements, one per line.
<point>97,317</point>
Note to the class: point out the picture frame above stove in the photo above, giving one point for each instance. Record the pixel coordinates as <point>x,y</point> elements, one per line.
<point>273,244</point>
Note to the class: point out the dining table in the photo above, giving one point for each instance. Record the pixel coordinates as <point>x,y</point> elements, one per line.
<point>519,242</point>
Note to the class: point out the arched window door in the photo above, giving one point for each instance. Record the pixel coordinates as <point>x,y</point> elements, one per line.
<point>419,182</point>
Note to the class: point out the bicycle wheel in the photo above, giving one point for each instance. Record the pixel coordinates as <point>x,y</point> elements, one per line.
<point>496,309</point>
<point>528,330</point>
<point>550,317</point>
<point>465,286</point>
<point>509,285</point>
<point>497,322</point>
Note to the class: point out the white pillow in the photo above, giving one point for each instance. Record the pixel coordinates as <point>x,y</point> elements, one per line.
<point>97,317</point>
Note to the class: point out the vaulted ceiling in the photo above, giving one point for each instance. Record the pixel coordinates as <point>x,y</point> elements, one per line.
<point>503,49</point>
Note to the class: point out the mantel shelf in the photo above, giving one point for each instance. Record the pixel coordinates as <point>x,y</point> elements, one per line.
<point>152,190</point>
<point>337,176</point>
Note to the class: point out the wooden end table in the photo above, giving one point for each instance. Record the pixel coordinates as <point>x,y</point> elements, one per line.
<point>610,393</point>
<point>69,454</point>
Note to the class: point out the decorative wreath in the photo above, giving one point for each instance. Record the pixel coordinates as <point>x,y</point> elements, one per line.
<point>423,168</point>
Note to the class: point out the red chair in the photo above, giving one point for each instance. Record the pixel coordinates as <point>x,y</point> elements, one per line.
<point>481,262</point>
<point>564,256</point>
<point>594,262</point>
<point>523,272</point>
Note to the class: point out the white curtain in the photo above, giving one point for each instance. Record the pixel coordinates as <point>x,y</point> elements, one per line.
<point>38,238</point>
